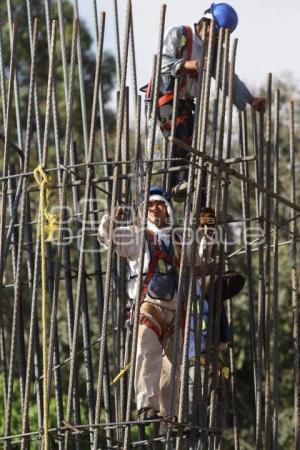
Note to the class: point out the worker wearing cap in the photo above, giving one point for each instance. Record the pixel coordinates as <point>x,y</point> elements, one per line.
<point>158,301</point>
<point>183,55</point>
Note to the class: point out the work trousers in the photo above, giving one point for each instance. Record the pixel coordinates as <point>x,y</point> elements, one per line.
<point>154,365</point>
<point>183,131</point>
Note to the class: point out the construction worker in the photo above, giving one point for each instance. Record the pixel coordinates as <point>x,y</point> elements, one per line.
<point>183,55</point>
<point>158,301</point>
<point>230,284</point>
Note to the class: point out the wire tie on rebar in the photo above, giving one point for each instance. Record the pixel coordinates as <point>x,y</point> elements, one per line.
<point>67,169</point>
<point>71,427</point>
<point>120,374</point>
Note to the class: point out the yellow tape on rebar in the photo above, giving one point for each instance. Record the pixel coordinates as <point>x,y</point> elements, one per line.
<point>120,374</point>
<point>50,221</point>
<point>48,225</point>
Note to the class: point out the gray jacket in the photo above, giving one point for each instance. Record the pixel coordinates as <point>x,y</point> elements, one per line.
<point>171,65</point>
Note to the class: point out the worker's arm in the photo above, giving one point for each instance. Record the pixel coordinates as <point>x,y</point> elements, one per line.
<point>206,251</point>
<point>125,238</point>
<point>204,248</point>
<point>242,96</point>
<point>171,64</point>
<point>207,236</point>
<point>258,103</point>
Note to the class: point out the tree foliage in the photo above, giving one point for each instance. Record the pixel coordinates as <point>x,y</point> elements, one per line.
<point>23,61</point>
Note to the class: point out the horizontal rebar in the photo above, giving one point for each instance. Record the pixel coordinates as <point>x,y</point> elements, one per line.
<point>236,174</point>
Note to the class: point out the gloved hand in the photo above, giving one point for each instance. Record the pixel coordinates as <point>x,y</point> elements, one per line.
<point>258,103</point>
<point>191,68</point>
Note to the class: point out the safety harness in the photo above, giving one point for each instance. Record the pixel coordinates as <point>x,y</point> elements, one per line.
<point>158,255</point>
<point>161,330</point>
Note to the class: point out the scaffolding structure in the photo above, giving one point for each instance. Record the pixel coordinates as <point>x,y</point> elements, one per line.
<point>65,332</point>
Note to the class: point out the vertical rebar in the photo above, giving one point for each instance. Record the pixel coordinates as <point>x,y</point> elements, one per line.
<point>8,129</point>
<point>246,203</point>
<point>275,311</point>
<point>117,37</point>
<point>2,225</point>
<point>259,153</point>
<point>143,221</point>
<point>267,356</point>
<point>295,307</point>
<point>84,223</point>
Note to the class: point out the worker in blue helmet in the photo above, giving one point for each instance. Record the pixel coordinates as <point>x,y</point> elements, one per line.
<point>158,299</point>
<point>182,56</point>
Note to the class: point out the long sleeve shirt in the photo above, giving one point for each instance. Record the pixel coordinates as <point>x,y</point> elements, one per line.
<point>127,242</point>
<point>172,64</point>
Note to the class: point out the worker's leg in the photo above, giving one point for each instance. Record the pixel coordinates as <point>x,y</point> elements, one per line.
<point>232,283</point>
<point>165,380</point>
<point>183,131</point>
<point>148,369</point>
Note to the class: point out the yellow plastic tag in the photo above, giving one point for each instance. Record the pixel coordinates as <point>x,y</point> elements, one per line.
<point>225,372</point>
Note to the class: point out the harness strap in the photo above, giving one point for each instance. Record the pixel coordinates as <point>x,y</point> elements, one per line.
<point>149,275</point>
<point>147,309</point>
<point>189,44</point>
<point>173,260</point>
<point>166,98</point>
<point>149,89</point>
<point>161,330</point>
<point>144,320</point>
<point>157,255</point>
<point>167,125</point>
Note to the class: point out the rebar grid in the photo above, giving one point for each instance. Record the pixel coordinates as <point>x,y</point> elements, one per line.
<point>58,381</point>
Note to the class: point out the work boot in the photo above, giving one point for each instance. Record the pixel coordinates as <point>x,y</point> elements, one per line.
<point>179,191</point>
<point>147,413</point>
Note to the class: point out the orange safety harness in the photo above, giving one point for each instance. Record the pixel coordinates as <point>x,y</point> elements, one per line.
<point>158,254</point>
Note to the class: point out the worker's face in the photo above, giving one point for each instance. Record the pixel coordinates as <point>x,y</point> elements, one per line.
<point>203,30</point>
<point>157,213</point>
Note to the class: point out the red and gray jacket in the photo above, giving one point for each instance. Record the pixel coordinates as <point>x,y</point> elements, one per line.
<point>182,44</point>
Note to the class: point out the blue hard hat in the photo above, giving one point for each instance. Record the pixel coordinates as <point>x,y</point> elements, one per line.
<point>156,190</point>
<point>224,16</point>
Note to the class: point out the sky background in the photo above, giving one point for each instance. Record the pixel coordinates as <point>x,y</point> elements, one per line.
<point>268,36</point>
